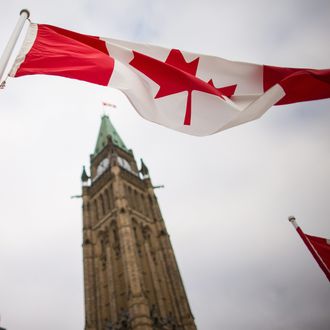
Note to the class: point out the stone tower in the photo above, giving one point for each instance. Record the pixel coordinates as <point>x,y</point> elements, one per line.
<point>131,277</point>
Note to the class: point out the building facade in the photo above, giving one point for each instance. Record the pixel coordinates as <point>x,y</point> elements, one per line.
<point>131,277</point>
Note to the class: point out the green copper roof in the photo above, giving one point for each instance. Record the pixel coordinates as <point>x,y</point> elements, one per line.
<point>107,129</point>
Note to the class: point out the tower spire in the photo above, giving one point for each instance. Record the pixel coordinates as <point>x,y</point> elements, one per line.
<point>131,277</point>
<point>107,130</point>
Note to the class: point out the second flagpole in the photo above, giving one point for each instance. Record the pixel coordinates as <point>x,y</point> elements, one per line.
<point>310,247</point>
<point>24,15</point>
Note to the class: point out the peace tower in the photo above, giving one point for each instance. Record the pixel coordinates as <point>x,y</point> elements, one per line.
<point>131,277</point>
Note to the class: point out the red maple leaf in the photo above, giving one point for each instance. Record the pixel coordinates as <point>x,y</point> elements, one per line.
<point>175,75</point>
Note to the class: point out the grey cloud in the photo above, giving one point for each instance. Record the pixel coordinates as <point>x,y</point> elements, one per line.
<point>226,197</point>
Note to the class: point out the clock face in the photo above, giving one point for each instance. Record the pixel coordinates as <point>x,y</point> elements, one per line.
<point>124,164</point>
<point>102,167</point>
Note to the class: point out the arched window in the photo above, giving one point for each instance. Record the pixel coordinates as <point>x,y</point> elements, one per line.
<point>151,206</point>
<point>135,225</point>
<point>106,200</point>
<point>88,211</point>
<point>114,238</point>
<point>96,211</point>
<point>111,198</point>
<point>137,200</point>
<point>102,209</point>
<point>133,201</point>
<point>129,196</point>
<point>143,205</point>
<point>146,206</point>
<point>146,232</point>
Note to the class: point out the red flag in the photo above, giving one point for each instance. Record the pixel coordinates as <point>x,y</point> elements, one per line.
<point>318,246</point>
<point>192,93</point>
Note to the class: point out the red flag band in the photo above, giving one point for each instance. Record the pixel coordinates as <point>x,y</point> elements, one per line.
<point>319,247</point>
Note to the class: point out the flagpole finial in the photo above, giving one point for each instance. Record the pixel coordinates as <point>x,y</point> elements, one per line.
<point>25,11</point>
<point>291,218</point>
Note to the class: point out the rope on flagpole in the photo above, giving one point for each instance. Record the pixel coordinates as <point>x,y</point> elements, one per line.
<point>24,15</point>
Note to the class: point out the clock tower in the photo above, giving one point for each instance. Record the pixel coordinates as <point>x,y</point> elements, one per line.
<point>131,277</point>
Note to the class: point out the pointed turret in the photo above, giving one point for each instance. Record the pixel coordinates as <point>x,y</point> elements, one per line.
<point>84,176</point>
<point>107,130</point>
<point>144,169</point>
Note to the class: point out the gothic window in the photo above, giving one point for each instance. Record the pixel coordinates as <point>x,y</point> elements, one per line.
<point>102,205</point>
<point>134,201</point>
<point>141,203</point>
<point>106,200</point>
<point>144,206</point>
<point>103,239</point>
<point>111,198</point>
<point>128,195</point>
<point>114,238</point>
<point>137,200</point>
<point>141,209</point>
<point>146,232</point>
<point>96,210</point>
<point>87,210</point>
<point>151,206</point>
<point>137,236</point>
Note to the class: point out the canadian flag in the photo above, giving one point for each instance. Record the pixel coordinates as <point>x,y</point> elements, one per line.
<point>191,93</point>
<point>319,247</point>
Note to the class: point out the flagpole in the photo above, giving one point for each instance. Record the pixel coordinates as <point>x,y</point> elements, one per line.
<point>310,247</point>
<point>24,15</point>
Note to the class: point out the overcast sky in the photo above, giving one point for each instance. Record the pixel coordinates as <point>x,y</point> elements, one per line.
<point>227,196</point>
